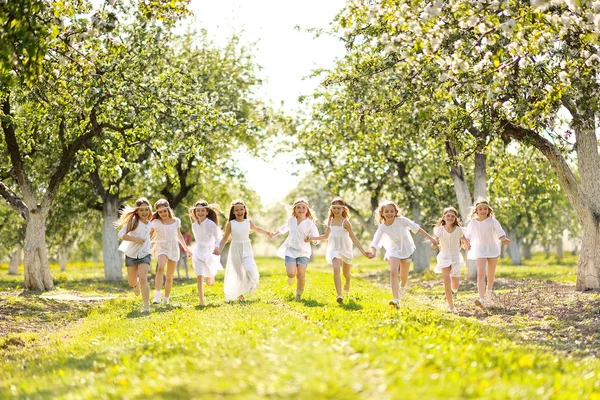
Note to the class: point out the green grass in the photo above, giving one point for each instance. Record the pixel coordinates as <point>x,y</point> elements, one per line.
<point>273,346</point>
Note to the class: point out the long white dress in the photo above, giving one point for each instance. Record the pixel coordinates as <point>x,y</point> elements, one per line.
<point>241,273</point>
<point>208,238</point>
<point>449,255</point>
<point>339,244</point>
<point>166,239</point>
<point>295,246</point>
<point>484,237</point>
<point>396,238</point>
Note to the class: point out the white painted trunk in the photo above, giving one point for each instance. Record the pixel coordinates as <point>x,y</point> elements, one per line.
<point>63,256</point>
<point>559,249</point>
<point>588,276</point>
<point>15,260</point>
<point>480,185</point>
<point>423,246</point>
<point>527,251</point>
<point>514,248</point>
<point>110,240</point>
<point>37,269</point>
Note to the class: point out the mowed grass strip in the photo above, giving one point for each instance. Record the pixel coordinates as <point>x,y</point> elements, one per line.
<point>273,346</point>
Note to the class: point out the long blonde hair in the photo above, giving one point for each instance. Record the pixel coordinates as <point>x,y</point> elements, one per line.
<point>162,203</point>
<point>129,215</point>
<point>441,221</point>
<point>384,205</point>
<point>338,201</point>
<point>482,202</point>
<point>302,200</point>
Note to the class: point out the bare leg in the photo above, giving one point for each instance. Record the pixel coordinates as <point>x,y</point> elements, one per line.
<point>170,272</point>
<point>347,275</point>
<point>404,268</point>
<point>491,272</point>
<point>447,283</point>
<point>144,286</point>
<point>290,269</point>
<point>200,284</point>
<point>481,262</point>
<point>455,284</point>
<point>132,275</point>
<point>301,274</point>
<point>394,271</point>
<point>337,280</point>
<point>160,271</point>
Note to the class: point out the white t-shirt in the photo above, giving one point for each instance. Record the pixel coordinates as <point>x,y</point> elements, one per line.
<point>396,238</point>
<point>294,245</point>
<point>133,249</point>
<point>484,238</point>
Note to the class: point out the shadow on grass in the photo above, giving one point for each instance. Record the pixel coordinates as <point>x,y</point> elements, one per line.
<point>209,306</point>
<point>311,303</point>
<point>351,306</point>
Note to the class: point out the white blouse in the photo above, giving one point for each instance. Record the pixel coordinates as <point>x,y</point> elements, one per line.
<point>396,238</point>
<point>207,234</point>
<point>294,245</point>
<point>133,249</point>
<point>484,238</point>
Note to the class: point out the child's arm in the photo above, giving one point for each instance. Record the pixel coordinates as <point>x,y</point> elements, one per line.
<point>123,234</point>
<point>259,230</point>
<point>355,240</point>
<point>313,232</point>
<point>181,241</point>
<point>285,228</point>
<point>465,243</point>
<point>376,242</point>
<point>500,232</point>
<point>433,240</point>
<point>225,238</point>
<point>324,236</point>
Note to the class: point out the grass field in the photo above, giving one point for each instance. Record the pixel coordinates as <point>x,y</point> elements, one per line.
<point>540,340</point>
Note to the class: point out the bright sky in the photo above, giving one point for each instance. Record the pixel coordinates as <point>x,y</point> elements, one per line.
<point>286,55</point>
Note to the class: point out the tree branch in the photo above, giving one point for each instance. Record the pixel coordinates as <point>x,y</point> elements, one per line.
<point>14,201</point>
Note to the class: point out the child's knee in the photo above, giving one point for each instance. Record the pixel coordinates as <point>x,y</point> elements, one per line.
<point>347,274</point>
<point>291,274</point>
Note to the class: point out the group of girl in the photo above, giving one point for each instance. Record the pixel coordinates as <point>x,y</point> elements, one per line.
<point>481,238</point>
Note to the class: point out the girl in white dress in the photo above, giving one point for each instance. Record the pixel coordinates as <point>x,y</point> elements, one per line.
<point>206,262</point>
<point>485,234</point>
<point>340,237</point>
<point>241,272</point>
<point>167,229</point>
<point>295,251</point>
<point>135,233</point>
<point>393,234</point>
<point>450,234</point>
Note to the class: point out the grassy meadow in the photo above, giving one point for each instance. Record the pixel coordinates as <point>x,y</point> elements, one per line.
<point>540,339</point>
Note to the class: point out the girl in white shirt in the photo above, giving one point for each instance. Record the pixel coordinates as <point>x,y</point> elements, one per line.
<point>485,234</point>
<point>393,234</point>
<point>339,247</point>
<point>450,234</point>
<point>295,251</point>
<point>135,233</point>
<point>206,262</point>
<point>167,229</point>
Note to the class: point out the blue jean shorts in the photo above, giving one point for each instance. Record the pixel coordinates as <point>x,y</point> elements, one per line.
<point>298,260</point>
<point>132,262</point>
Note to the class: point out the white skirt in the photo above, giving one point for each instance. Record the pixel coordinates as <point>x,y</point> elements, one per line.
<point>454,260</point>
<point>241,273</point>
<point>206,263</point>
<point>169,248</point>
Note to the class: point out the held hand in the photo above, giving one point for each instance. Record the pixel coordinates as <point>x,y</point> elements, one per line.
<point>506,241</point>
<point>434,242</point>
<point>188,252</point>
<point>217,252</point>
<point>307,239</point>
<point>141,241</point>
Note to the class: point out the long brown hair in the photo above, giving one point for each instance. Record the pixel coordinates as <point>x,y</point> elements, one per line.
<point>441,221</point>
<point>129,215</point>
<point>338,201</point>
<point>237,203</point>
<point>384,205</point>
<point>479,203</point>
<point>212,214</point>
<point>302,200</point>
<point>162,203</point>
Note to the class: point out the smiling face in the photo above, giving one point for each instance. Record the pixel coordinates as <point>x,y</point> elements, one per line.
<point>201,213</point>
<point>163,212</point>
<point>449,218</point>
<point>389,212</point>
<point>336,210</point>
<point>239,211</point>
<point>144,212</point>
<point>483,211</point>
<point>301,209</point>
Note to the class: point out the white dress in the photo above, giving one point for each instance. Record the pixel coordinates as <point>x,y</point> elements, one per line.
<point>484,238</point>
<point>208,238</point>
<point>339,244</point>
<point>241,272</point>
<point>166,239</point>
<point>449,255</point>
<point>133,249</point>
<point>295,246</point>
<point>396,238</point>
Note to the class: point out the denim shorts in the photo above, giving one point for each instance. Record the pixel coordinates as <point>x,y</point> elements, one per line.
<point>132,262</point>
<point>298,260</point>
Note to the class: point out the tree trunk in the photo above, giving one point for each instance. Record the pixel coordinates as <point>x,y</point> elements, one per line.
<point>480,185</point>
<point>559,249</point>
<point>514,248</point>
<point>110,240</point>
<point>15,260</point>
<point>589,257</point>
<point>527,251</point>
<point>547,251</point>
<point>37,269</point>
<point>423,248</point>
<point>63,256</point>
